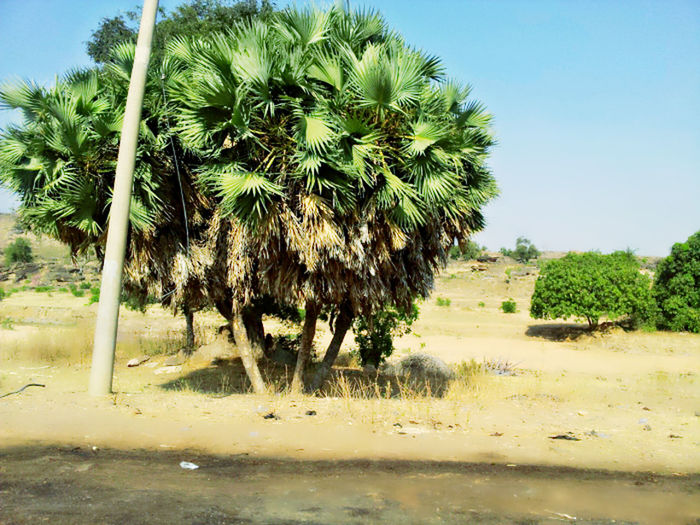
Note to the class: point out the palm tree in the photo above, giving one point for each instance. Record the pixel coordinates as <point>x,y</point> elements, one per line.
<point>343,165</point>
<point>321,162</point>
<point>60,162</point>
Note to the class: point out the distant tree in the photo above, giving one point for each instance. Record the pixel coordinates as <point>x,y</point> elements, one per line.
<point>677,287</point>
<point>112,31</point>
<point>589,286</point>
<point>196,18</point>
<point>19,251</point>
<point>468,251</point>
<point>524,251</point>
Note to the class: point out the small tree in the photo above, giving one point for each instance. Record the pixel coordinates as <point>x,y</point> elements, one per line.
<point>677,287</point>
<point>375,335</point>
<point>19,251</point>
<point>524,250</point>
<point>590,286</point>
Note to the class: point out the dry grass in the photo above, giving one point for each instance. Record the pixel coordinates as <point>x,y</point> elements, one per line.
<point>72,345</point>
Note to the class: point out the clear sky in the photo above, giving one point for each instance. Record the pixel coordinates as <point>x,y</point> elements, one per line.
<point>596,105</point>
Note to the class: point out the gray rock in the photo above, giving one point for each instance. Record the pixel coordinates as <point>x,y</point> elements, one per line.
<point>221,348</point>
<point>174,360</point>
<point>167,370</point>
<point>136,361</point>
<point>421,371</point>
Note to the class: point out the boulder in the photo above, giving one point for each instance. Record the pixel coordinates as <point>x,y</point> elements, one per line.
<point>420,372</point>
<point>221,348</point>
<point>136,361</point>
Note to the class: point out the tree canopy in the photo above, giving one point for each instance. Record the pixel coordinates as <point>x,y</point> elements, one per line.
<point>195,18</point>
<point>677,287</point>
<point>524,251</point>
<point>590,286</point>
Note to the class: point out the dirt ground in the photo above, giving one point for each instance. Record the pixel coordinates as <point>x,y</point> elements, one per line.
<point>631,401</point>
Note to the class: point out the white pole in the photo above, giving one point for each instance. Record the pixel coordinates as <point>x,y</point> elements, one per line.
<point>110,289</point>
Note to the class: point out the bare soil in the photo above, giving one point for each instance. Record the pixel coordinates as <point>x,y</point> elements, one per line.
<point>482,452</point>
<point>77,485</point>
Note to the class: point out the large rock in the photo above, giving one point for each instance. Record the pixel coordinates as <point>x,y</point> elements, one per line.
<point>420,372</point>
<point>221,348</point>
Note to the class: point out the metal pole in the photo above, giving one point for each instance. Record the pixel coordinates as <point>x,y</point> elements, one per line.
<point>110,289</point>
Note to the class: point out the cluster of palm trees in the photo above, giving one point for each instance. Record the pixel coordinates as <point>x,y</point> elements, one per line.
<point>312,158</point>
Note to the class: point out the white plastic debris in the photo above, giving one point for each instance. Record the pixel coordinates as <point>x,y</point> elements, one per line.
<point>188,466</point>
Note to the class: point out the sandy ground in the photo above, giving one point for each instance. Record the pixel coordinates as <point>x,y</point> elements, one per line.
<point>631,399</point>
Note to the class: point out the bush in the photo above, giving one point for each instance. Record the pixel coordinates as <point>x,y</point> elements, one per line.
<point>677,287</point>
<point>3,294</point>
<point>94,295</point>
<point>375,335</point>
<point>442,301</point>
<point>43,289</point>
<point>482,304</point>
<point>508,307</point>
<point>524,250</point>
<point>590,285</point>
<point>85,285</point>
<point>19,251</point>
<point>75,291</point>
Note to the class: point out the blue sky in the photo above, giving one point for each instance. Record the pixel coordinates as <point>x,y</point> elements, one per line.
<point>596,105</point>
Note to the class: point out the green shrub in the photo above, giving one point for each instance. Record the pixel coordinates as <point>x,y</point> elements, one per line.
<point>590,285</point>
<point>375,335</point>
<point>19,251</point>
<point>94,295</point>
<point>443,301</point>
<point>43,289</point>
<point>75,291</point>
<point>3,294</point>
<point>7,323</point>
<point>482,304</point>
<point>677,287</point>
<point>85,285</point>
<point>509,306</point>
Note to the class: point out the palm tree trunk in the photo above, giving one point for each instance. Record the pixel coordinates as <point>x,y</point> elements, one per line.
<point>252,320</point>
<point>189,331</point>
<point>307,340</point>
<point>247,355</point>
<point>240,335</point>
<point>342,325</point>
